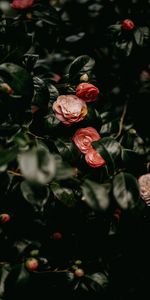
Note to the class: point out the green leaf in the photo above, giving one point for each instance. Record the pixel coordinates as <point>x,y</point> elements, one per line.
<point>132,161</point>
<point>36,195</point>
<point>18,277</point>
<point>115,28</point>
<point>110,128</point>
<point>22,140</point>
<point>82,64</point>
<point>19,80</point>
<point>96,195</point>
<point>126,191</point>
<point>37,164</point>
<point>139,37</point>
<point>94,284</point>
<point>67,150</point>
<point>8,155</point>
<point>4,272</point>
<point>64,194</point>
<point>129,48</point>
<point>110,150</point>
<point>63,169</point>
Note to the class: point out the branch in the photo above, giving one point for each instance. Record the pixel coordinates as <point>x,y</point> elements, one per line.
<point>122,120</point>
<point>14,173</point>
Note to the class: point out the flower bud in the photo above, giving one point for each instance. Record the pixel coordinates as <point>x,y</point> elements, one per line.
<point>128,24</point>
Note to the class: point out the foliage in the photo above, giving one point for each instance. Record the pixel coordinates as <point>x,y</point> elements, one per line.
<point>64,212</point>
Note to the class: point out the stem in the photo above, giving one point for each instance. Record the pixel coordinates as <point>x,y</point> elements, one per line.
<point>36,136</point>
<point>122,120</point>
<point>14,173</point>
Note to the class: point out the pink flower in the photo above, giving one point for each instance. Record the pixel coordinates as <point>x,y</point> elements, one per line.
<point>94,159</point>
<point>83,138</point>
<point>144,183</point>
<point>69,109</point>
<point>22,4</point>
<point>87,91</point>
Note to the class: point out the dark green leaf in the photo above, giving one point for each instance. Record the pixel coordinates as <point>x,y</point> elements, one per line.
<point>96,195</point>
<point>110,128</point>
<point>97,283</point>
<point>63,194</point>
<point>9,129</point>
<point>115,28</point>
<point>51,122</point>
<point>67,150</point>
<point>139,37</point>
<point>129,48</point>
<point>63,169</point>
<point>110,150</point>
<point>18,277</point>
<point>132,161</point>
<point>75,38</point>
<point>146,32</point>
<point>41,93</point>
<point>53,93</point>
<point>126,191</point>
<point>82,64</point>
<point>4,272</point>
<point>37,164</point>
<point>36,195</point>
<point>8,155</point>
<point>19,80</point>
<point>22,140</point>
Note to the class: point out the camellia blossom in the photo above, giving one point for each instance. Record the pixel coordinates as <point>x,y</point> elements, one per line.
<point>87,91</point>
<point>69,109</point>
<point>83,138</point>
<point>128,24</point>
<point>144,183</point>
<point>94,159</point>
<point>22,4</point>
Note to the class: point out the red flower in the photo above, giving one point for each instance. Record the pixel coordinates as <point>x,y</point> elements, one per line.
<point>94,159</point>
<point>144,183</point>
<point>128,24</point>
<point>83,138</point>
<point>87,91</point>
<point>79,273</point>
<point>22,4</point>
<point>4,87</point>
<point>4,218</point>
<point>57,236</point>
<point>69,109</point>
<point>32,264</point>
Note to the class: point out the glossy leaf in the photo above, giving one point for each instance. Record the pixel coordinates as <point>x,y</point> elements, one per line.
<point>6,156</point>
<point>36,195</point>
<point>110,150</point>
<point>126,191</point>
<point>97,196</point>
<point>37,164</point>
<point>82,64</point>
<point>64,194</point>
<point>4,272</point>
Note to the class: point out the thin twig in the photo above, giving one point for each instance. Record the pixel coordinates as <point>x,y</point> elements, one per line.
<point>14,173</point>
<point>122,120</point>
<point>54,271</point>
<point>36,136</point>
